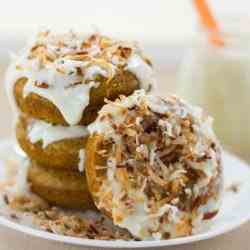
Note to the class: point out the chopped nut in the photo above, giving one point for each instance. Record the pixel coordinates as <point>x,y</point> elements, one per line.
<point>234,188</point>
<point>210,215</point>
<point>14,216</point>
<point>125,52</point>
<point>6,199</point>
<point>42,85</point>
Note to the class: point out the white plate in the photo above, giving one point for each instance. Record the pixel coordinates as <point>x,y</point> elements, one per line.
<point>234,212</point>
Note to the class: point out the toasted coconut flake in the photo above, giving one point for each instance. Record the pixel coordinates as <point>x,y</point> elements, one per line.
<point>89,225</point>
<point>155,172</point>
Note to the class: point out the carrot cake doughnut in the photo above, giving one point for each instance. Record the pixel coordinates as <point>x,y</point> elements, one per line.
<point>60,187</point>
<point>52,146</point>
<point>154,166</point>
<point>64,78</point>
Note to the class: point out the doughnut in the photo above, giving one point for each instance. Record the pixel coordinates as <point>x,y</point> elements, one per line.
<point>153,165</point>
<point>51,146</point>
<point>59,187</point>
<point>65,78</point>
<point>41,108</point>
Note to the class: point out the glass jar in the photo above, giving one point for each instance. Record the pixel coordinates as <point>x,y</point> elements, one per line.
<point>218,79</point>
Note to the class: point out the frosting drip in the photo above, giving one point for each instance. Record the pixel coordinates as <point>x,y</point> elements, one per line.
<point>47,133</point>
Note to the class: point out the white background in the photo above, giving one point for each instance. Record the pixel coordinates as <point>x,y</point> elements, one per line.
<point>168,21</point>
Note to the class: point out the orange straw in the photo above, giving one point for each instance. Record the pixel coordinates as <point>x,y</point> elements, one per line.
<point>209,22</point>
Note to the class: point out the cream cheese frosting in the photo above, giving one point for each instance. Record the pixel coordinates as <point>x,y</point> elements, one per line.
<point>48,133</point>
<point>63,68</point>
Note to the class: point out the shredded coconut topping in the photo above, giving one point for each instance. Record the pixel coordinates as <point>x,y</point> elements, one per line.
<point>163,165</point>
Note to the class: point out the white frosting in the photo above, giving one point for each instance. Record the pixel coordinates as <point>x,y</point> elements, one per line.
<point>70,101</point>
<point>139,222</point>
<point>142,71</point>
<point>93,71</point>
<point>57,65</point>
<point>157,105</point>
<point>47,133</point>
<point>81,160</point>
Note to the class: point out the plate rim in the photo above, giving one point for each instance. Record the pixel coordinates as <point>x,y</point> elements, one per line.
<point>120,243</point>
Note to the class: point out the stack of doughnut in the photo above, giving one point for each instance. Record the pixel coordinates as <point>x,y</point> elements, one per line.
<point>59,82</point>
<point>97,136</point>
